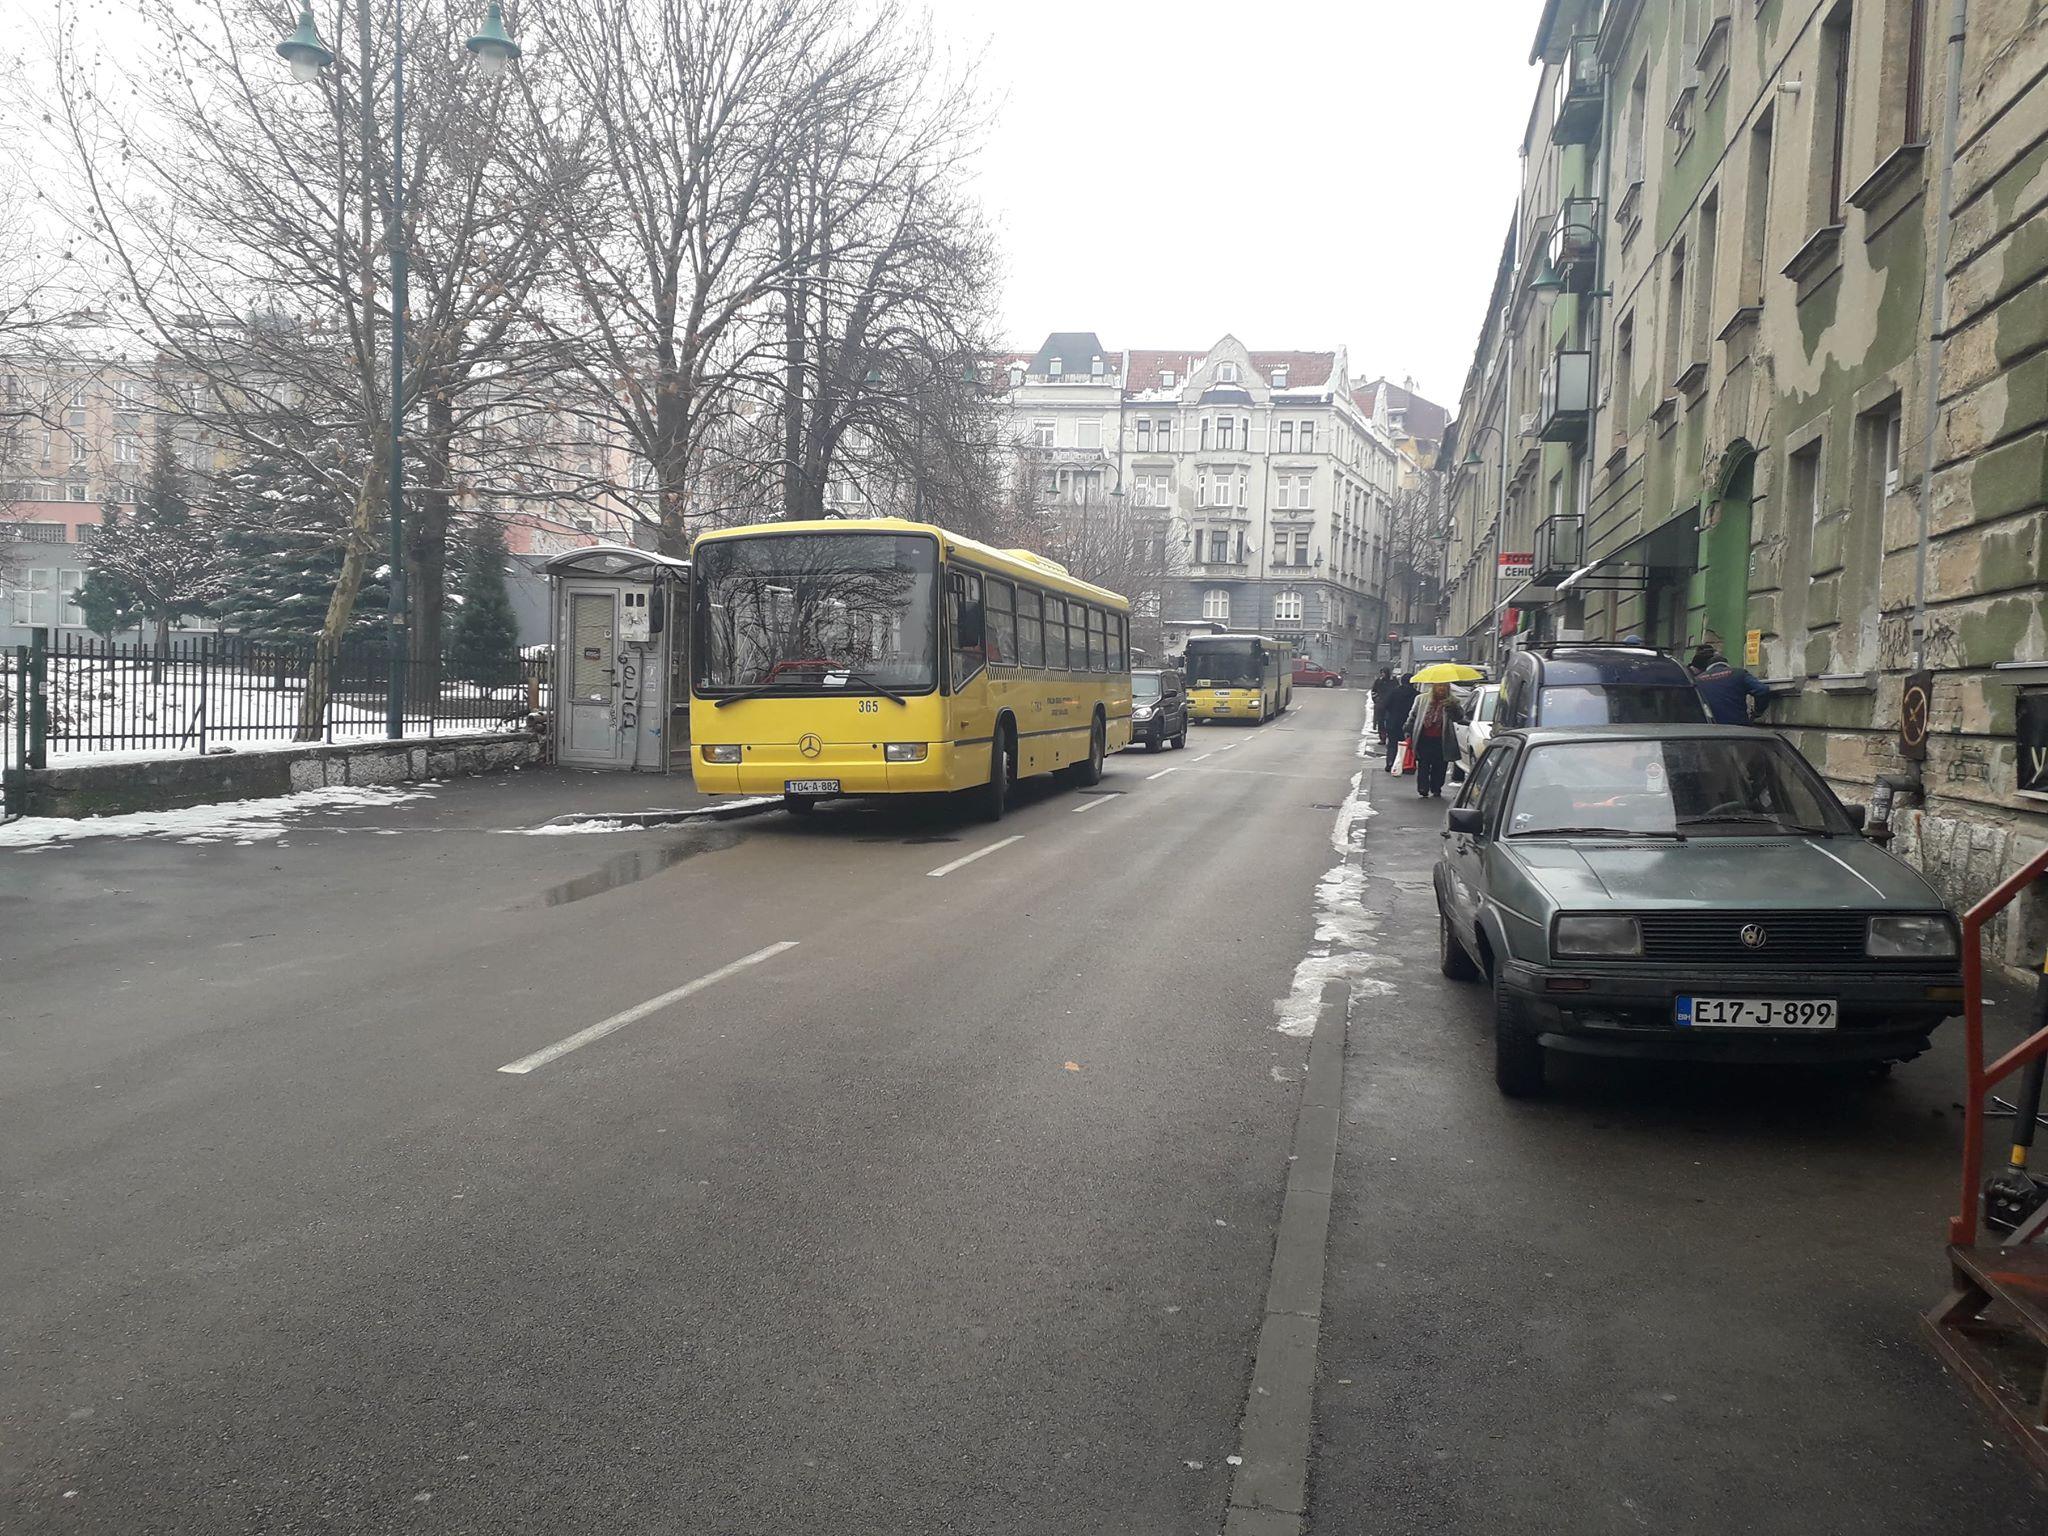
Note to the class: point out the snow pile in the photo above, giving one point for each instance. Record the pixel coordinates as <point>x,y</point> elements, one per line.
<point>237,821</point>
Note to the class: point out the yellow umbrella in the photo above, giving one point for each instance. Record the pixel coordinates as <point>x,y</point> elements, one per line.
<point>1448,672</point>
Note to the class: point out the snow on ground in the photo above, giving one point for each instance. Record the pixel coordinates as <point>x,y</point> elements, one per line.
<point>238,821</point>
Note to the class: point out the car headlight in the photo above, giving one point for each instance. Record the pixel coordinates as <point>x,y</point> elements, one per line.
<point>905,751</point>
<point>1141,712</point>
<point>1920,936</point>
<point>1595,935</point>
<point>729,754</point>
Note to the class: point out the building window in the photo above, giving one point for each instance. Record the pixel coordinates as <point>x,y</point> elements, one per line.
<point>79,450</point>
<point>127,450</point>
<point>1624,380</point>
<point>1287,607</point>
<point>1756,212</point>
<point>1041,434</point>
<point>1226,373</point>
<point>1638,115</point>
<point>1215,605</point>
<point>1301,547</point>
<point>1057,367</point>
<point>1144,434</point>
<point>1088,433</point>
<point>76,491</point>
<point>1892,470</point>
<point>1219,546</point>
<point>78,396</point>
<point>1152,490</point>
<point>35,602</point>
<point>1806,482</point>
<point>1223,431</point>
<point>1703,278</point>
<point>1674,314</point>
<point>1287,437</point>
<point>1308,437</point>
<point>1166,378</point>
<point>1280,377</point>
<point>1831,116</point>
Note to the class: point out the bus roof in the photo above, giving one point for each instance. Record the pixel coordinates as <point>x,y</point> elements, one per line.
<point>1233,635</point>
<point>1016,562</point>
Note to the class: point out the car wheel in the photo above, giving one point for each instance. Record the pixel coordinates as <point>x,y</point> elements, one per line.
<point>1153,744</point>
<point>1090,771</point>
<point>1517,1055</point>
<point>994,797</point>
<point>1181,740</point>
<point>1332,682</point>
<point>1451,958</point>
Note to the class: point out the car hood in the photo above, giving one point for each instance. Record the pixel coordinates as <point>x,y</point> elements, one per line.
<point>1773,873</point>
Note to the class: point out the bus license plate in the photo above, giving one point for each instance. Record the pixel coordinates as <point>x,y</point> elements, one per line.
<point>1756,1013</point>
<point>810,786</point>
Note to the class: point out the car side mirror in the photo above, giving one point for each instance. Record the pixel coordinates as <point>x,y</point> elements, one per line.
<point>1859,816</point>
<point>1464,819</point>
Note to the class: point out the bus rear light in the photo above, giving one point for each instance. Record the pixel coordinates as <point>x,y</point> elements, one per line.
<point>722,754</point>
<point>905,752</point>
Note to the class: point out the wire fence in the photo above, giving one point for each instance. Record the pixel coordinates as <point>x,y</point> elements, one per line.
<point>82,695</point>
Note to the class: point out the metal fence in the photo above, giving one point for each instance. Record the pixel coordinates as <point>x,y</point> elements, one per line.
<point>80,694</point>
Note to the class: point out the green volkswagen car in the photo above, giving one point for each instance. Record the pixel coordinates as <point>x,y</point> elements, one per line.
<point>1692,892</point>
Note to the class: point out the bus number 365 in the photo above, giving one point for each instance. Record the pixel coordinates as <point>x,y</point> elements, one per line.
<point>870,706</point>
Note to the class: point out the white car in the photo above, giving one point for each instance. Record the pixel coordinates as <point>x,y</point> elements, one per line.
<point>1478,727</point>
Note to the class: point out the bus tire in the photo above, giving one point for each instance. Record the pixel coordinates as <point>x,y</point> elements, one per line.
<point>995,795</point>
<point>1089,770</point>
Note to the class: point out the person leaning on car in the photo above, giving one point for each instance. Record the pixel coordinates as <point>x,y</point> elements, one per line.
<point>1732,695</point>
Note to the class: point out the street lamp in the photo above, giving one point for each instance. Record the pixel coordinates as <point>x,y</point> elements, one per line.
<point>494,48</point>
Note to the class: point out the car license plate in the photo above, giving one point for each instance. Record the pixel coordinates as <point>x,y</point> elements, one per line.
<point>1756,1013</point>
<point>810,786</point>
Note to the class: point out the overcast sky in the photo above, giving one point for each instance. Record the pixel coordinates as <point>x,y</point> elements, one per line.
<point>1301,173</point>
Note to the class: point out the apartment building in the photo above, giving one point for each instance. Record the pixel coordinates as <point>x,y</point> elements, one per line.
<point>1763,366</point>
<point>1265,483</point>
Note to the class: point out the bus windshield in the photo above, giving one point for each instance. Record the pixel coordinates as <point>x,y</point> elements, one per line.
<point>1232,664</point>
<point>817,612</point>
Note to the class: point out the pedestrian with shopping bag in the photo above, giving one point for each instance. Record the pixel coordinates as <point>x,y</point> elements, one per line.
<point>1393,717</point>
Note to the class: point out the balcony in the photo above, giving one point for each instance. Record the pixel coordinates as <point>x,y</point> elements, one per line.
<point>1565,404</point>
<point>1575,109</point>
<point>1574,245</point>
<point>1560,548</point>
<point>1211,570</point>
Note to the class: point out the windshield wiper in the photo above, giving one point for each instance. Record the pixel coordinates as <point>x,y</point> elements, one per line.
<point>1676,837</point>
<point>863,683</point>
<point>1751,820</point>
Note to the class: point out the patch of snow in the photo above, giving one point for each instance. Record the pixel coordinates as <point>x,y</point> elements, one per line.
<point>579,828</point>
<point>237,821</point>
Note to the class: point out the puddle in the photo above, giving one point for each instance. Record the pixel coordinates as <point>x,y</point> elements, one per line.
<point>640,864</point>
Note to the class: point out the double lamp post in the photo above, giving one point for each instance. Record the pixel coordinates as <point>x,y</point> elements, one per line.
<point>493,49</point>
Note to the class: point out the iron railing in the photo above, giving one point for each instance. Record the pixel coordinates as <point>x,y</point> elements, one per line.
<point>195,693</point>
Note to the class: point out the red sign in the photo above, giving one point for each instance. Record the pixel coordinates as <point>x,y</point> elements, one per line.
<point>1517,565</point>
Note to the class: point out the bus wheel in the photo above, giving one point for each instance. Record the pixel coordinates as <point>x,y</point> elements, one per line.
<point>995,798</point>
<point>1090,771</point>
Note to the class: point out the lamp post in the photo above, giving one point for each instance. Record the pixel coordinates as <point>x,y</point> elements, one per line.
<point>493,48</point>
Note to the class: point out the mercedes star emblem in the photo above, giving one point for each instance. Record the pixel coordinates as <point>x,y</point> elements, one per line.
<point>810,746</point>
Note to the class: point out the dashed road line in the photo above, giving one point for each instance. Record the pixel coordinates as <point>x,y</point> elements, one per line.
<point>1162,773</point>
<point>979,853</point>
<point>618,1021</point>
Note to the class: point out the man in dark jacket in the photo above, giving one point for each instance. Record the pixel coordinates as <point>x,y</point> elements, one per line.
<point>1732,696</point>
<point>1381,686</point>
<point>1393,716</point>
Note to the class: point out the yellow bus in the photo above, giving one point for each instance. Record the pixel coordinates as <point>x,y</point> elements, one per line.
<point>1238,677</point>
<point>884,657</point>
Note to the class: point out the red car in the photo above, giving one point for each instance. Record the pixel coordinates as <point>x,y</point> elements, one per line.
<point>1307,674</point>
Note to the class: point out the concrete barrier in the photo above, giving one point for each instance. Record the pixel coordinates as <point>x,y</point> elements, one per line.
<point>162,784</point>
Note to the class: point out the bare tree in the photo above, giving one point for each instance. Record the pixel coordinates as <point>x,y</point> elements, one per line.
<point>248,222</point>
<point>1418,530</point>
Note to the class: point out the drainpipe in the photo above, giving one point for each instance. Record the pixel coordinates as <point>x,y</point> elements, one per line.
<point>1937,326</point>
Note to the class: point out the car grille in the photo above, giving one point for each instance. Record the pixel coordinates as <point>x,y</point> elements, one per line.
<point>1789,938</point>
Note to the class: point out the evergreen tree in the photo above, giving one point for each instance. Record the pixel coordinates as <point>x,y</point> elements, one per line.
<point>159,562</point>
<point>108,603</point>
<point>483,642</point>
<point>287,532</point>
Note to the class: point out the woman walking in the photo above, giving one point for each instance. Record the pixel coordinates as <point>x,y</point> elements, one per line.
<point>1431,725</point>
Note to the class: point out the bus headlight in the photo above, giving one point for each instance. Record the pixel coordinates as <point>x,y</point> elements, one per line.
<point>721,754</point>
<point>905,752</point>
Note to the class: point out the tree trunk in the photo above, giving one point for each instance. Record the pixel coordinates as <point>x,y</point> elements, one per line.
<point>426,550</point>
<point>793,314</point>
<point>362,538</point>
<point>672,464</point>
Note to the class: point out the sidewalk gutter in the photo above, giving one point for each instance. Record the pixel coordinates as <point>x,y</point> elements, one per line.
<point>724,810</point>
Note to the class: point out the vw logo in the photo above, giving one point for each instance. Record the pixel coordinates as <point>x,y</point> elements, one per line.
<point>1753,936</point>
<point>810,746</point>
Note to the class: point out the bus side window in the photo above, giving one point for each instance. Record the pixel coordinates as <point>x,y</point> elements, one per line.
<point>1077,637</point>
<point>1116,642</point>
<point>1030,629</point>
<point>1000,599</point>
<point>1056,633</point>
<point>970,639</point>
<point>1095,654</point>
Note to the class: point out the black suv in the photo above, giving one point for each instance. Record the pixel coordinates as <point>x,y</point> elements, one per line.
<point>1159,710</point>
<point>1596,685</point>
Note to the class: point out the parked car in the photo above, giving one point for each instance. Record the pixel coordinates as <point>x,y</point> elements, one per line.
<point>1477,728</point>
<point>1596,685</point>
<point>1159,709</point>
<point>1691,892</point>
<point>1311,674</point>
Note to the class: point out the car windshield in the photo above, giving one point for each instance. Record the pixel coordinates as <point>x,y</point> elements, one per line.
<point>816,612</point>
<point>1625,704</point>
<point>1220,666</point>
<point>1144,685</point>
<point>1690,786</point>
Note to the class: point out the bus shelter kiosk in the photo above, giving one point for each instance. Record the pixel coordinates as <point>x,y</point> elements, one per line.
<point>619,618</point>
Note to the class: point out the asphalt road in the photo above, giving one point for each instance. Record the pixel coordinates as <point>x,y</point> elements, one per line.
<point>916,1201</point>
<point>838,1243</point>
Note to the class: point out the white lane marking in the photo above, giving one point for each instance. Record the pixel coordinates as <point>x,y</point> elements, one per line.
<point>617,1021</point>
<point>1231,748</point>
<point>1207,755</point>
<point>1162,773</point>
<point>1093,804</point>
<point>979,853</point>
